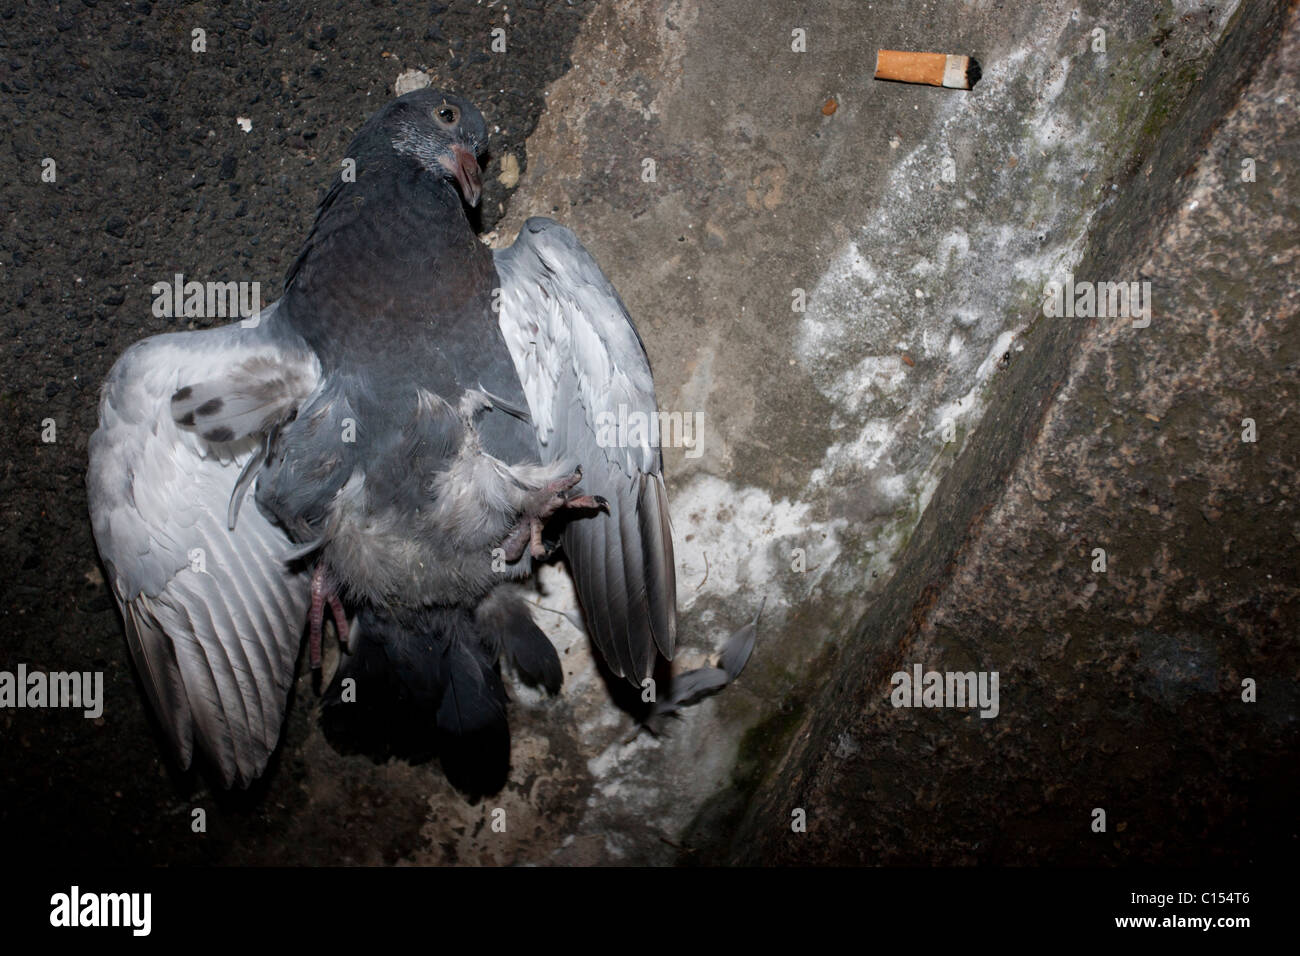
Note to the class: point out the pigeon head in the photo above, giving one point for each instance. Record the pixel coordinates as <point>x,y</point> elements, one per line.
<point>443,132</point>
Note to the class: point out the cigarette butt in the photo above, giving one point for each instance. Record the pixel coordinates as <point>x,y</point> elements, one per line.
<point>933,69</point>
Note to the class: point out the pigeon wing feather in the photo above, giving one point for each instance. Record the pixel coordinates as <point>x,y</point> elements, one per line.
<point>213,614</point>
<point>584,371</point>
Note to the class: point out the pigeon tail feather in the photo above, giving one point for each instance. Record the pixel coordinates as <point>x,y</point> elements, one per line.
<point>423,684</point>
<point>504,618</point>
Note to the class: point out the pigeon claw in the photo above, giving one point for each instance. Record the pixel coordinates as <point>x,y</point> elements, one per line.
<point>527,534</point>
<point>322,594</point>
<point>536,546</point>
<point>540,505</point>
<point>594,502</point>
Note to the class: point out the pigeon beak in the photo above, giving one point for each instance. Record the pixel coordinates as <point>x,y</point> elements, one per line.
<point>466,173</point>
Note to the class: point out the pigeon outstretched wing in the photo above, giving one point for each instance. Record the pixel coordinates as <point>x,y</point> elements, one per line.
<point>213,612</point>
<point>591,399</point>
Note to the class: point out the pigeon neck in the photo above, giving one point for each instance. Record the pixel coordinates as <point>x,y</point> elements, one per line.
<point>390,256</point>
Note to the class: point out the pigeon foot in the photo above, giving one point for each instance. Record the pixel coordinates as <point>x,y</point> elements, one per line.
<point>540,505</point>
<point>320,595</point>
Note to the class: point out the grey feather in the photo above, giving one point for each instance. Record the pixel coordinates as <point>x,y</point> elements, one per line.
<point>693,686</point>
<point>245,479</point>
<point>248,396</point>
<point>503,616</point>
<point>579,359</point>
<point>689,688</point>
<point>736,652</point>
<point>213,615</point>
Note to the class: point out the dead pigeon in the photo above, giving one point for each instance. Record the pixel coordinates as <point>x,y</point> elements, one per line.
<point>414,424</point>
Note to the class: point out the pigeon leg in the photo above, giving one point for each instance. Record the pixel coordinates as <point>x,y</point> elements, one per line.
<point>540,505</point>
<point>320,596</point>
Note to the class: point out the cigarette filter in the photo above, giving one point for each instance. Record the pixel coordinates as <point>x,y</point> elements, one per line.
<point>933,69</point>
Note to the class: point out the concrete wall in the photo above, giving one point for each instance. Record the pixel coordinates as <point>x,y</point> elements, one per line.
<point>1125,690</point>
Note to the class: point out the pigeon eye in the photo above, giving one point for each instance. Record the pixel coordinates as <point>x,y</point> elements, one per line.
<point>448,115</point>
